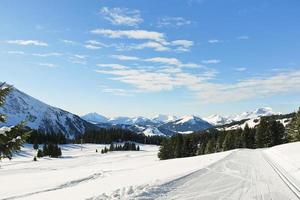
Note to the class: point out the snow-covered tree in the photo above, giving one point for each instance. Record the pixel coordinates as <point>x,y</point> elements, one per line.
<point>11,138</point>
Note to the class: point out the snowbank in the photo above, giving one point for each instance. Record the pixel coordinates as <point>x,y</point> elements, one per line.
<point>82,173</point>
<point>287,156</point>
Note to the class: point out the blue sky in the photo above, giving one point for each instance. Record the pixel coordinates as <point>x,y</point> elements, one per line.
<point>139,57</point>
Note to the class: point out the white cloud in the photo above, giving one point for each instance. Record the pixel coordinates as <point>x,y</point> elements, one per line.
<point>124,57</point>
<point>50,65</point>
<point>241,69</point>
<point>243,37</point>
<point>182,45</point>
<point>213,41</point>
<point>69,42</point>
<point>47,54</point>
<point>16,52</point>
<point>164,60</point>
<point>112,66</point>
<point>122,16</point>
<point>172,22</point>
<point>248,88</point>
<point>157,40</point>
<point>118,91</point>
<point>152,45</point>
<point>211,61</point>
<point>93,44</point>
<point>27,42</point>
<point>131,34</point>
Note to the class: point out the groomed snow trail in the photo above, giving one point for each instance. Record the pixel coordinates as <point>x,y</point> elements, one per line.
<point>245,174</point>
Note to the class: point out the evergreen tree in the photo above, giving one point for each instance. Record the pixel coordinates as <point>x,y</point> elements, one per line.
<point>10,140</point>
<point>40,153</point>
<point>293,128</point>
<point>261,139</point>
<point>35,145</point>
<point>229,142</point>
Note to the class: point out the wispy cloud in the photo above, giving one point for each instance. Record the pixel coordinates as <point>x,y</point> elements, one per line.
<point>173,22</point>
<point>213,41</point>
<point>50,65</point>
<point>240,69</point>
<point>47,54</point>
<point>93,44</point>
<point>156,40</point>
<point>211,61</point>
<point>16,52</point>
<point>248,88</point>
<point>131,34</point>
<point>118,91</point>
<point>122,16</point>
<point>124,57</point>
<point>69,42</point>
<point>112,66</point>
<point>27,42</point>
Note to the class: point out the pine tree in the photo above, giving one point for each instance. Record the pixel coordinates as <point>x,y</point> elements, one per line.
<point>40,153</point>
<point>35,145</point>
<point>261,139</point>
<point>12,139</point>
<point>293,128</point>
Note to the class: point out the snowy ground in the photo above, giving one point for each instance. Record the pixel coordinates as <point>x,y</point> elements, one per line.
<point>84,174</point>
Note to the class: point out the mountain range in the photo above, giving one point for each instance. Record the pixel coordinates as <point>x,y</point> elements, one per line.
<point>38,115</point>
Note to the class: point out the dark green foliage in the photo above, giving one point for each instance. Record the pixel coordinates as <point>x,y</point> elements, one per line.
<point>40,153</point>
<point>127,146</point>
<point>35,145</point>
<point>51,150</point>
<point>34,158</point>
<point>293,129</point>
<point>268,133</point>
<point>11,140</point>
<point>107,136</point>
<point>37,137</point>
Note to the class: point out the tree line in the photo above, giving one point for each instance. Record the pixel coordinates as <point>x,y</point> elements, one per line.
<point>269,132</point>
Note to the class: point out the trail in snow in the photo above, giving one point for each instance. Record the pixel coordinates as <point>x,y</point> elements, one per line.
<point>244,174</point>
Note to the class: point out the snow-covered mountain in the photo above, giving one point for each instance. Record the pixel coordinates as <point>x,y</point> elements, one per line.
<point>266,111</point>
<point>253,114</point>
<point>218,120</point>
<point>160,118</point>
<point>187,124</point>
<point>95,118</point>
<point>38,115</point>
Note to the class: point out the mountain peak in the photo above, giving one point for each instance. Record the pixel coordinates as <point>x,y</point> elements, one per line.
<point>94,118</point>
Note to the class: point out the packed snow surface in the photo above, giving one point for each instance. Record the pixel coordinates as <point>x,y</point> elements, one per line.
<point>244,174</point>
<point>82,173</point>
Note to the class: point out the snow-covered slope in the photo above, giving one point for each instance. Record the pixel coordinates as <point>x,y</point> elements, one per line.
<point>254,114</point>
<point>84,174</point>
<point>218,120</point>
<point>38,115</point>
<point>160,118</point>
<point>187,124</point>
<point>95,118</point>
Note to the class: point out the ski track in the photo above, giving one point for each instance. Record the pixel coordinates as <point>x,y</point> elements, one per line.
<point>62,186</point>
<point>244,174</point>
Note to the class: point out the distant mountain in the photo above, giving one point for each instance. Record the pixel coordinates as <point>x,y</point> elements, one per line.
<point>266,111</point>
<point>187,124</point>
<point>38,115</point>
<point>95,118</point>
<point>218,120</point>
<point>164,118</point>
